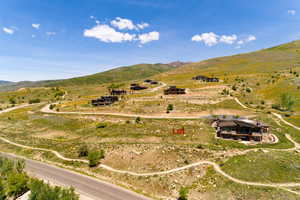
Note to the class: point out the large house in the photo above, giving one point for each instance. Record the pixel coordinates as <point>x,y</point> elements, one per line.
<point>241,129</point>
<point>174,90</point>
<point>135,86</point>
<point>152,82</point>
<point>206,79</point>
<point>104,100</point>
<point>117,92</point>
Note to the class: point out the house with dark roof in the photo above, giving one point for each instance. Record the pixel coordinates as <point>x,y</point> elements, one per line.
<point>117,92</point>
<point>206,79</point>
<point>135,86</point>
<point>174,90</point>
<point>104,100</point>
<point>241,129</point>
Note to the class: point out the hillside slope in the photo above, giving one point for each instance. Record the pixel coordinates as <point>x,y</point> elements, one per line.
<point>134,72</point>
<point>264,61</point>
<point>258,78</point>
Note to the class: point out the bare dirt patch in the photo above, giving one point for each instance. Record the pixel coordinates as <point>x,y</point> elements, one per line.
<point>53,134</point>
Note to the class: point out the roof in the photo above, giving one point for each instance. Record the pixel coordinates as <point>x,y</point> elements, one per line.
<point>241,122</point>
<point>226,123</point>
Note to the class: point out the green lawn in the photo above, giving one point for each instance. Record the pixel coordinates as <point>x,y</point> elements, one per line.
<point>272,166</point>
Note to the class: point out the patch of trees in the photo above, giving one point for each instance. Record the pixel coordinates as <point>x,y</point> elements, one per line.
<point>287,102</point>
<point>15,182</point>
<point>12,100</point>
<point>41,191</point>
<point>93,157</point>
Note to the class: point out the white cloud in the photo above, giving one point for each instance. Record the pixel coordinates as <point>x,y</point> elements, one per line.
<point>108,34</point>
<point>122,23</point>
<point>127,24</point>
<point>250,38</point>
<point>148,37</point>
<point>292,12</point>
<point>36,26</point>
<point>92,17</point>
<point>211,39</point>
<point>228,39</point>
<point>33,36</point>
<point>208,39</point>
<point>142,25</point>
<point>50,33</point>
<point>117,31</point>
<point>8,31</point>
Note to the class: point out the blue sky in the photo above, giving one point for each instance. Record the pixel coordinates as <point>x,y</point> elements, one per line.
<point>52,39</point>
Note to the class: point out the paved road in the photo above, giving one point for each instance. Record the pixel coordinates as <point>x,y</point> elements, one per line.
<point>87,187</point>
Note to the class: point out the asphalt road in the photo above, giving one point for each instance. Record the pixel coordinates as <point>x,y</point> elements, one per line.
<point>88,188</point>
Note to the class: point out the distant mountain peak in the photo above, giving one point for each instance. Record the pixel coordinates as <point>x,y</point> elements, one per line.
<point>2,82</point>
<point>177,63</point>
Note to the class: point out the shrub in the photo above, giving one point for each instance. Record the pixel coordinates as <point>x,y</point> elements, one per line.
<point>12,100</point>
<point>83,151</point>
<point>225,92</point>
<point>234,88</point>
<point>32,101</point>
<point>183,193</point>
<point>59,94</point>
<point>248,90</point>
<point>101,125</point>
<point>94,157</point>
<point>138,120</point>
<point>52,106</point>
<point>170,108</point>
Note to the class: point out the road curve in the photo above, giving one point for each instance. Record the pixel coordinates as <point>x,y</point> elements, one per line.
<point>47,110</point>
<point>284,121</point>
<point>86,186</point>
<point>14,108</point>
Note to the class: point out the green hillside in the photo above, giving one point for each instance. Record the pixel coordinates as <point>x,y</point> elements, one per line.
<point>139,71</point>
<point>258,78</point>
<point>134,72</point>
<point>277,58</point>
